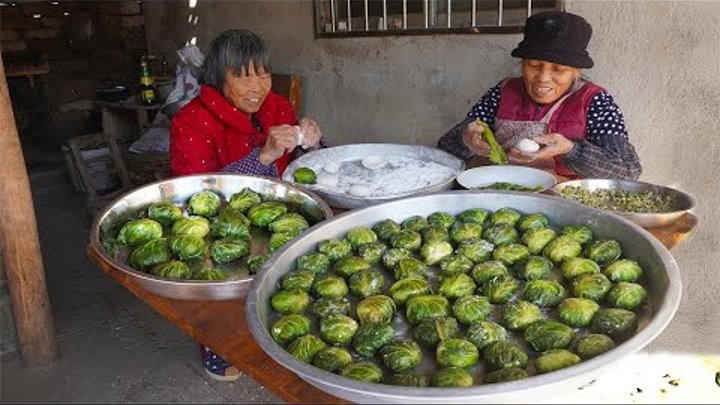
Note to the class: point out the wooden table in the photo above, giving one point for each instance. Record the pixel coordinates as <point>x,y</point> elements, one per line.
<point>221,326</point>
<point>122,119</point>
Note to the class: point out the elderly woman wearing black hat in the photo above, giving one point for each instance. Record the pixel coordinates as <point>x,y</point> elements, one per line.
<point>579,128</point>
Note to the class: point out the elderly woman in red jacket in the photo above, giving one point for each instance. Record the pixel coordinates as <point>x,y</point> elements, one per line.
<point>237,124</point>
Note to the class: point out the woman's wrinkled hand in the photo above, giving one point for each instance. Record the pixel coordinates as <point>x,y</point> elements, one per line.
<point>472,138</point>
<point>551,145</point>
<point>311,133</point>
<point>279,140</point>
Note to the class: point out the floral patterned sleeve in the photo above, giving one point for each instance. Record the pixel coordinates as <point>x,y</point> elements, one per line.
<point>486,110</point>
<point>251,165</point>
<point>300,151</point>
<point>606,152</point>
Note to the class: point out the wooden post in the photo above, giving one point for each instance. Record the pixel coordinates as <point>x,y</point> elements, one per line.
<point>20,246</point>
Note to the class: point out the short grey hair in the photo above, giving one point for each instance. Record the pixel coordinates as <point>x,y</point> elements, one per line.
<point>231,51</point>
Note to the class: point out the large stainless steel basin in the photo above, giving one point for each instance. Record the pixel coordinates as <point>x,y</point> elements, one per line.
<point>662,282</point>
<point>178,190</point>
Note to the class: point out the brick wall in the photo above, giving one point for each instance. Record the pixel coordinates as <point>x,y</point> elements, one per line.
<point>83,43</point>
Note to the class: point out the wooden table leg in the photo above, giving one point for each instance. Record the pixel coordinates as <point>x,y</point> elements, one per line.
<point>142,121</point>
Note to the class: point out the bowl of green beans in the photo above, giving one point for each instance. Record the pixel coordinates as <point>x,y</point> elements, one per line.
<point>648,205</point>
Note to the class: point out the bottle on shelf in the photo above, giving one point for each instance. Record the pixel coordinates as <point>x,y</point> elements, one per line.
<point>148,96</point>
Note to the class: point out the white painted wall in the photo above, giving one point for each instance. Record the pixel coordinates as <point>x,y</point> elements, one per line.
<point>660,59</point>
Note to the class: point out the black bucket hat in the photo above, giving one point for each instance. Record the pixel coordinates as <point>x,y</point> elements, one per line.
<point>558,37</point>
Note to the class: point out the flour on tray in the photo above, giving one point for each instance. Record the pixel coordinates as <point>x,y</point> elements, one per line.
<point>397,175</point>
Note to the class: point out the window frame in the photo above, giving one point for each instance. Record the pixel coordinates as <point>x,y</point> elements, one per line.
<point>558,5</point>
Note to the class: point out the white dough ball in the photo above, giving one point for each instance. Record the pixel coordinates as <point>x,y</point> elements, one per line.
<point>374,162</point>
<point>360,190</point>
<point>527,146</point>
<point>328,180</point>
<point>332,167</point>
<point>300,135</point>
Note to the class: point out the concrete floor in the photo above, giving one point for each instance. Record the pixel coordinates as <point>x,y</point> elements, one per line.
<point>112,347</point>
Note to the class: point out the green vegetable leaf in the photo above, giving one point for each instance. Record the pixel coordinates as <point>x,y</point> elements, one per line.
<point>497,153</point>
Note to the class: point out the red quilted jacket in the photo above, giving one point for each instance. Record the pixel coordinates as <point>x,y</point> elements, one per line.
<point>209,132</point>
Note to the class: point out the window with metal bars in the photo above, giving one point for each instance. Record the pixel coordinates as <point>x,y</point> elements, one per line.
<point>360,18</point>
